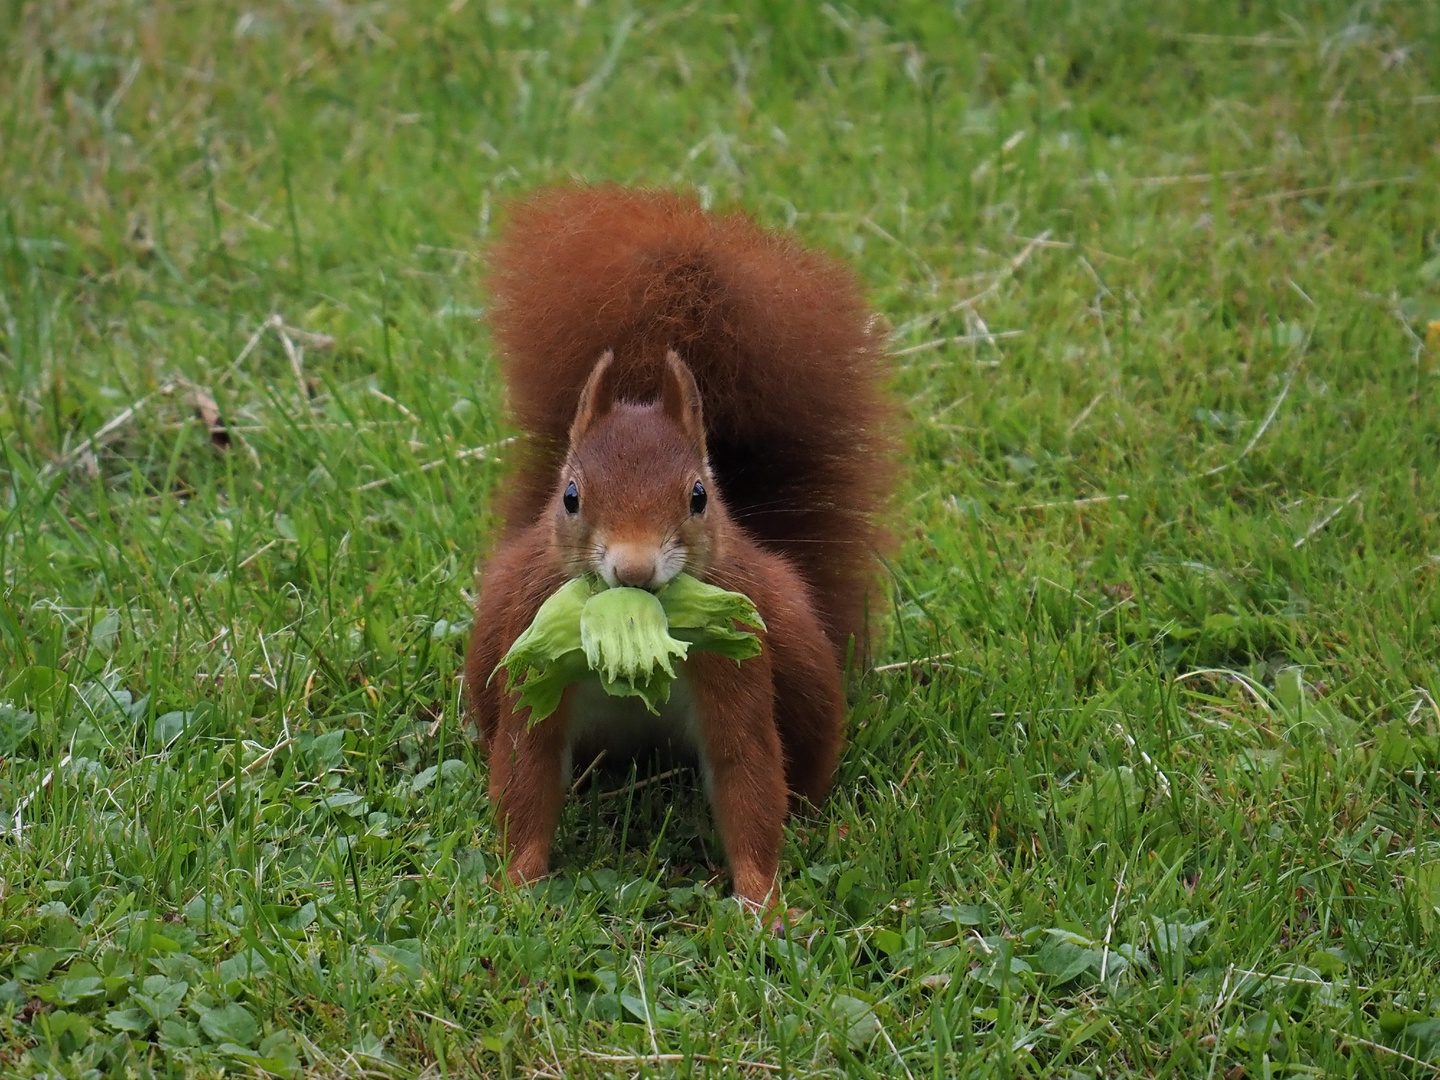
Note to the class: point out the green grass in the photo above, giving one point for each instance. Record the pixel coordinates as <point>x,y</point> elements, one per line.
<point>1167,807</point>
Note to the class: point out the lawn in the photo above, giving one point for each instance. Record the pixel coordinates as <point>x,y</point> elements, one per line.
<point>1144,779</point>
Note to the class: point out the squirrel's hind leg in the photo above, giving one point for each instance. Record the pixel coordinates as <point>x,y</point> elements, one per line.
<point>809,691</point>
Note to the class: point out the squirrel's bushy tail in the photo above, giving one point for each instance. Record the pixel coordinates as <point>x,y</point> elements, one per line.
<point>778,337</point>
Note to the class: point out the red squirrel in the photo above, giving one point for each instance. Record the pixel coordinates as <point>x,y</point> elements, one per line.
<point>696,394</point>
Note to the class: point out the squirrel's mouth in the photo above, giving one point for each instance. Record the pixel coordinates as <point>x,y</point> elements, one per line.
<point>651,585</point>
<point>649,570</point>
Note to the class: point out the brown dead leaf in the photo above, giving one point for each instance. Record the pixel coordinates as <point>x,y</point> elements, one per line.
<point>209,412</point>
<point>138,236</point>
<point>1118,590</point>
<point>31,1009</point>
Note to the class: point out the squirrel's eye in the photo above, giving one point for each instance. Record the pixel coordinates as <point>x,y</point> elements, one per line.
<point>572,498</point>
<point>697,498</point>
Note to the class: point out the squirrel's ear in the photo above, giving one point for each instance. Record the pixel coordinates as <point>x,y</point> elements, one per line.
<point>680,398</point>
<point>597,397</point>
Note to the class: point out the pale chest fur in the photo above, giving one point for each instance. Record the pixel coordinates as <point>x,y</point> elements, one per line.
<point>623,728</point>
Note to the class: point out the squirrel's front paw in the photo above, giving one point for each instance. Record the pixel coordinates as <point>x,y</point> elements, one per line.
<point>772,914</point>
<point>758,893</point>
<point>528,867</point>
<point>784,921</point>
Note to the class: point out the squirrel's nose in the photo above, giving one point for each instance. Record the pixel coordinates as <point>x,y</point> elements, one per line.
<point>633,569</point>
<point>632,566</point>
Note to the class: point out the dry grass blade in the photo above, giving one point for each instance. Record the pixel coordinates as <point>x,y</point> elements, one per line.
<point>260,762</point>
<point>107,431</point>
<point>1073,504</point>
<point>287,335</point>
<point>296,357</point>
<point>960,339</point>
<point>1328,189</point>
<point>1274,409</point>
<point>662,1059</point>
<point>1389,1051</point>
<point>997,280</point>
<point>476,453</point>
<point>1328,518</point>
<point>644,781</point>
<point>919,662</point>
<point>1253,41</point>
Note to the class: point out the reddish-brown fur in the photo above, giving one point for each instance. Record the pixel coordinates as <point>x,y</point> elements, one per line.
<point>785,423</point>
<point>779,340</point>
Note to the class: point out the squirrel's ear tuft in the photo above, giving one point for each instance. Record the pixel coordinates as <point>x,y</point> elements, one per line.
<point>598,396</point>
<point>680,399</point>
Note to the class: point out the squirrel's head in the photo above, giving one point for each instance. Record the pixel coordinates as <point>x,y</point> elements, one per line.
<point>635,500</point>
